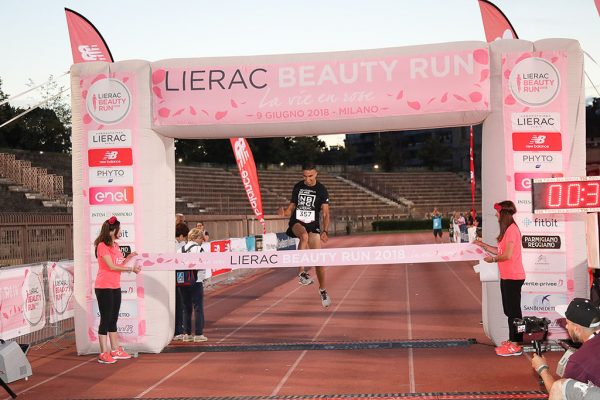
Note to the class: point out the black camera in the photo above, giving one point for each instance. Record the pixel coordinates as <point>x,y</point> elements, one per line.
<point>534,330</point>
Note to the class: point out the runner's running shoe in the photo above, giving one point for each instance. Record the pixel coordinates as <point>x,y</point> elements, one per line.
<point>106,358</point>
<point>304,278</point>
<point>325,299</point>
<point>120,354</point>
<point>200,338</point>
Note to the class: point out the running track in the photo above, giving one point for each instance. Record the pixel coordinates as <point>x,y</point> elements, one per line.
<point>370,302</point>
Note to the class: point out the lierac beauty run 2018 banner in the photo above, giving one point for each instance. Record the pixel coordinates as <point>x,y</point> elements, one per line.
<point>535,121</point>
<point>316,91</point>
<point>22,301</point>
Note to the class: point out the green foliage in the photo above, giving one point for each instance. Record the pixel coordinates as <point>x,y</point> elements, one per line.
<point>407,224</point>
<point>433,152</point>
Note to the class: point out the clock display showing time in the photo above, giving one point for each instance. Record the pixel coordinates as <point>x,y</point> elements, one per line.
<point>566,195</point>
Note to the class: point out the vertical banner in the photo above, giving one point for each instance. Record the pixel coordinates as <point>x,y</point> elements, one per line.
<point>535,117</point>
<point>60,287</point>
<point>87,44</point>
<point>247,167</point>
<point>110,187</point>
<point>472,168</point>
<point>495,23</point>
<point>22,301</point>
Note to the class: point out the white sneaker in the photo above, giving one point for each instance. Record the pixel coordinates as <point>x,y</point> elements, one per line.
<point>178,337</point>
<point>188,338</point>
<point>325,299</point>
<point>304,278</point>
<point>200,338</point>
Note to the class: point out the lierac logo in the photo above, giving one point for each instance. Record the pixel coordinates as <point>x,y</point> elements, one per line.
<point>111,195</point>
<point>108,101</point>
<point>534,81</point>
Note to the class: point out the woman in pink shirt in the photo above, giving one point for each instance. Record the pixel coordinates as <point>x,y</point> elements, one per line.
<point>512,275</point>
<point>108,289</point>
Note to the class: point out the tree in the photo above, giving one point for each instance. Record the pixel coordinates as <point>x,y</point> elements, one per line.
<point>433,152</point>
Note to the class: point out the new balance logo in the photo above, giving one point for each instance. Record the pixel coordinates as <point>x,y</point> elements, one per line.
<point>537,139</point>
<point>110,155</point>
<point>91,53</point>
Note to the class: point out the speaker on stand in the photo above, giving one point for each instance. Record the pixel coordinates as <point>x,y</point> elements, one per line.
<point>13,364</point>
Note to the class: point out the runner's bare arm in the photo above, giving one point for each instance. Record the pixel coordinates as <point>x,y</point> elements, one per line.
<point>325,224</point>
<point>286,212</point>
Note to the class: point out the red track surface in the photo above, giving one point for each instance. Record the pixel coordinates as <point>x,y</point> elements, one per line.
<point>371,302</point>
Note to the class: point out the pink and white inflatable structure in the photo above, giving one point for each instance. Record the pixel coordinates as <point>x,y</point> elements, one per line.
<point>126,115</point>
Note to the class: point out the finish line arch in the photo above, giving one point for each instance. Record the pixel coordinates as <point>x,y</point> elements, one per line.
<point>126,115</point>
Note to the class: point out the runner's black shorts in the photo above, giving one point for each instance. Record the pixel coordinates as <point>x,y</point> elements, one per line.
<point>310,228</point>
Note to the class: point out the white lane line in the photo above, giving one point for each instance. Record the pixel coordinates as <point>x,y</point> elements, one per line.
<point>167,377</point>
<point>411,359</point>
<point>54,377</point>
<point>301,356</point>
<point>478,299</point>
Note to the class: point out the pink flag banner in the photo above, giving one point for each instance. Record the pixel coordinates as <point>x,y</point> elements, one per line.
<point>87,43</point>
<point>22,301</point>
<point>495,23</point>
<point>247,167</point>
<point>424,253</point>
<point>597,2</point>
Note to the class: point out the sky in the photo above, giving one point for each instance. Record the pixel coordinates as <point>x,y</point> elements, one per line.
<point>35,41</point>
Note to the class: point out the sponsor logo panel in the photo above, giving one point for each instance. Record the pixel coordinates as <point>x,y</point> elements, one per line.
<point>109,138</point>
<point>114,157</point>
<point>523,202</point>
<point>534,81</point>
<point>108,101</point>
<point>545,262</point>
<point>541,161</point>
<point>119,176</point>
<point>536,141</point>
<point>549,283</point>
<point>548,223</point>
<point>111,195</point>
<point>542,303</point>
<point>523,179</point>
<point>543,242</point>
<point>99,214</point>
<point>535,122</point>
<point>126,234</point>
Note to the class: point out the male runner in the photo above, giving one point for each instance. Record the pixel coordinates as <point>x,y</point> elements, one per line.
<point>309,202</point>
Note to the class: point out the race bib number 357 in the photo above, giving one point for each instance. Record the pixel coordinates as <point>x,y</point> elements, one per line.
<point>305,216</point>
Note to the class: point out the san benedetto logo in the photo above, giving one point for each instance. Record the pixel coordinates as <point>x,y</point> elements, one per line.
<point>534,82</point>
<point>108,101</point>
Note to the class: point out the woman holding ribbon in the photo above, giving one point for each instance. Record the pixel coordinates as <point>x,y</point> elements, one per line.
<point>512,274</point>
<point>107,287</point>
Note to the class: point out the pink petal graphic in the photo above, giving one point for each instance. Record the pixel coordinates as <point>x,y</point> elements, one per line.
<point>145,255</point>
<point>509,100</point>
<point>220,115</point>
<point>140,291</point>
<point>205,112</point>
<point>400,95</point>
<point>125,79</point>
<point>84,94</point>
<point>156,90</point>
<point>445,258</point>
<point>97,78</point>
<point>242,102</point>
<point>179,112</point>
<point>159,260</point>
<point>99,127</point>
<point>158,76</point>
<point>193,111</point>
<point>481,56</point>
<point>87,119</point>
<point>507,74</point>
<point>415,105</point>
<point>164,112</point>
<point>475,97</point>
<point>431,100</point>
<point>485,103</point>
<point>460,98</point>
<point>444,98</point>
<point>233,104</point>
<point>554,59</point>
<point>484,75</point>
<point>147,263</point>
<point>142,328</point>
<point>523,57</point>
<point>525,109</point>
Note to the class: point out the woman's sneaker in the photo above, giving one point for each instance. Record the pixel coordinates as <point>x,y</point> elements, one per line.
<point>120,354</point>
<point>200,338</point>
<point>188,338</point>
<point>509,349</point>
<point>304,278</point>
<point>106,358</point>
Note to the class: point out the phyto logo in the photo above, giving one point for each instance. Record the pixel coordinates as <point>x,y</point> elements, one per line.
<point>108,101</point>
<point>534,82</point>
<point>111,195</point>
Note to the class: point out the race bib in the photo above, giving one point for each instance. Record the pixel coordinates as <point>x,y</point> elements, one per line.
<point>305,216</point>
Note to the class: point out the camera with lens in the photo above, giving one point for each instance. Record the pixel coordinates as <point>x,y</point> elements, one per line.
<point>534,330</point>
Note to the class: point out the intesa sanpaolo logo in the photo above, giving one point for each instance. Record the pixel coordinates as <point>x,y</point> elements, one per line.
<point>108,101</point>
<point>534,82</point>
<point>111,195</point>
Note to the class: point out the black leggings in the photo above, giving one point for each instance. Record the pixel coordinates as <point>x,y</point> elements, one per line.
<point>109,303</point>
<point>511,302</point>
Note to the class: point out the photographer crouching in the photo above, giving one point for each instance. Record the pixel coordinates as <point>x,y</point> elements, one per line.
<point>583,325</point>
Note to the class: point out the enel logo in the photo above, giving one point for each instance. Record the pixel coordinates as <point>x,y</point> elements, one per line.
<point>111,195</point>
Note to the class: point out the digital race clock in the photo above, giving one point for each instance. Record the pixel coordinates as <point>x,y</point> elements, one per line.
<point>565,195</point>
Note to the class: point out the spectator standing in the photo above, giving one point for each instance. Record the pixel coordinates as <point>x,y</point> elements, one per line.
<point>437,225</point>
<point>181,237</point>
